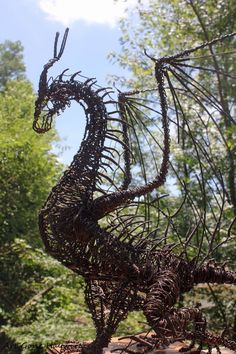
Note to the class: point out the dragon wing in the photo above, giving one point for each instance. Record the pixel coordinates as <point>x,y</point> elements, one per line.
<point>192,210</point>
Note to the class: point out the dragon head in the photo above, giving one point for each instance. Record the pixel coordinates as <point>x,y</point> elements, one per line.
<point>46,105</point>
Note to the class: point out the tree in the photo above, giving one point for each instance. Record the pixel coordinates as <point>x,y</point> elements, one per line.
<point>11,62</point>
<point>41,302</point>
<point>166,28</point>
<point>172,26</point>
<point>28,168</point>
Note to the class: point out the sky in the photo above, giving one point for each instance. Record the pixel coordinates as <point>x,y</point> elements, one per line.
<point>94,32</point>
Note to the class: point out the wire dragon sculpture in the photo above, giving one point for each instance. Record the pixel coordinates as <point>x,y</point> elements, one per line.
<point>116,231</point>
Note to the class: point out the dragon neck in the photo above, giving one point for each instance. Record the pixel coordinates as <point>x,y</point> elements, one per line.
<point>78,182</point>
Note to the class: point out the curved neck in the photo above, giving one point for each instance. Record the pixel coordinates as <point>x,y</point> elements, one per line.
<point>78,182</point>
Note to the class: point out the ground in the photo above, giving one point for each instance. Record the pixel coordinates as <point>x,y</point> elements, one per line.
<point>72,348</point>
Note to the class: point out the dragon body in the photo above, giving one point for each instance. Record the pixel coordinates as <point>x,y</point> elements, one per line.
<point>120,275</point>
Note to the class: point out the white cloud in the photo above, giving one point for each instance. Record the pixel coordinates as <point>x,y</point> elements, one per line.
<point>105,12</point>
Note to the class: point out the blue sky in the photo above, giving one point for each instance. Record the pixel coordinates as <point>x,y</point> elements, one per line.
<point>94,31</point>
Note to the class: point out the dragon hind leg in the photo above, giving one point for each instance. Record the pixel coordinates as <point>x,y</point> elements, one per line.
<point>170,323</point>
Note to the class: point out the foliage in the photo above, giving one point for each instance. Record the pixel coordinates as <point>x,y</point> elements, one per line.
<point>11,62</point>
<point>28,168</point>
<point>42,302</point>
<point>218,303</point>
<point>134,323</point>
<point>38,296</point>
<point>166,28</point>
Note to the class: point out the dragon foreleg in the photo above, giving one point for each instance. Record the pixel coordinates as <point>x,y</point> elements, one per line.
<point>109,304</point>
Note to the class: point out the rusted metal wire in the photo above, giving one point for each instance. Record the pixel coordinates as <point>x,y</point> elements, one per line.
<point>127,265</point>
